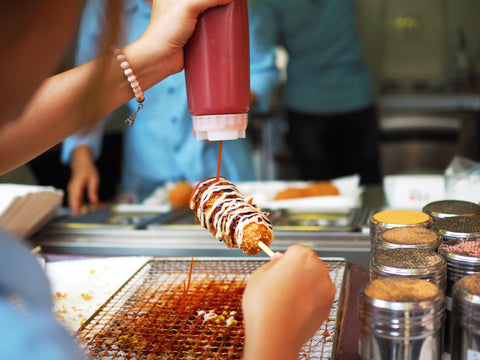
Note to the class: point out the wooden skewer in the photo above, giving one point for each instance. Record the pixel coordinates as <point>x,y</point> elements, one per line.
<point>36,250</point>
<point>266,249</point>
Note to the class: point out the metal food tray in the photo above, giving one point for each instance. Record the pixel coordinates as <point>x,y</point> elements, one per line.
<point>282,219</point>
<point>111,217</point>
<point>149,317</point>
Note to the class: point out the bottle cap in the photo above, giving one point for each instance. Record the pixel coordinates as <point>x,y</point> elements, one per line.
<point>220,127</point>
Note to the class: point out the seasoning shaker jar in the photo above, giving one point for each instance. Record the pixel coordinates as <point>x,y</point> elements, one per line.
<point>390,219</point>
<point>465,227</point>
<point>463,259</point>
<point>408,238</point>
<point>451,208</point>
<point>466,318</point>
<point>401,318</point>
<point>409,263</point>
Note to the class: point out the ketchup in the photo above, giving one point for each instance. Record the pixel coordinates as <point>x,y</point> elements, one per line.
<point>219,159</point>
<point>217,72</point>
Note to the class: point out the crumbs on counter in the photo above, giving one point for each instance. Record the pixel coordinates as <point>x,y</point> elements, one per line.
<point>80,287</point>
<point>86,297</point>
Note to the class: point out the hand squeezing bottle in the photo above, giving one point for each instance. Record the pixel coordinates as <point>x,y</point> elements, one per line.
<point>217,72</point>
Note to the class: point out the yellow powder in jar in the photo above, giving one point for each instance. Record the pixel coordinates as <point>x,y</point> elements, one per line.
<point>402,290</point>
<point>402,217</point>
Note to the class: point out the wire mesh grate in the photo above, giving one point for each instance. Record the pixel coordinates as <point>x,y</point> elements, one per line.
<point>152,316</point>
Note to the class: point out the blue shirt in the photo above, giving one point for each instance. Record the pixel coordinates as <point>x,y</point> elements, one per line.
<point>325,72</point>
<point>161,145</point>
<point>28,328</point>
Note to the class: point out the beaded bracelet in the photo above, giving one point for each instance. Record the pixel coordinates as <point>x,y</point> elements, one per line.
<point>132,79</point>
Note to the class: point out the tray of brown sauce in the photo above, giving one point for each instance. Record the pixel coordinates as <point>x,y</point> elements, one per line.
<point>179,308</point>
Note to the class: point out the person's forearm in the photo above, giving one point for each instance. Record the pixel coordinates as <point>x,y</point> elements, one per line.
<point>263,349</point>
<point>68,102</point>
<point>81,156</point>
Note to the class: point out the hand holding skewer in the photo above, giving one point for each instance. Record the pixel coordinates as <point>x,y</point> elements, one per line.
<point>287,298</point>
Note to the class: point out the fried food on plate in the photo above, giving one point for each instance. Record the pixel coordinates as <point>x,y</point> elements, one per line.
<point>321,188</point>
<point>179,195</point>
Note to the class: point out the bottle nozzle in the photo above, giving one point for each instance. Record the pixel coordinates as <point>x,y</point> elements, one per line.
<point>220,127</point>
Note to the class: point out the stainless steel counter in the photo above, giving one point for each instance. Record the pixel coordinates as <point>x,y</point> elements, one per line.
<point>177,236</point>
<point>176,241</point>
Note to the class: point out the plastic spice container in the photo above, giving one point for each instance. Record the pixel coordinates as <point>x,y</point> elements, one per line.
<point>451,208</point>
<point>401,318</point>
<point>466,318</point>
<point>390,219</point>
<point>408,238</point>
<point>465,227</point>
<point>463,259</point>
<point>410,263</point>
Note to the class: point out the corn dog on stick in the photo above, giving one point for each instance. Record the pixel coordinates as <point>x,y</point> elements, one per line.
<point>225,213</point>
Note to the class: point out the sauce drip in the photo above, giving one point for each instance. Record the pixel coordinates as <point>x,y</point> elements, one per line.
<point>220,144</point>
<point>186,287</point>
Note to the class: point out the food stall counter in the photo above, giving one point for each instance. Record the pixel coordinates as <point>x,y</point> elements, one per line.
<point>90,292</point>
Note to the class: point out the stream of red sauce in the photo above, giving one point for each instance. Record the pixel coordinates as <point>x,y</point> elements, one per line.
<point>219,164</point>
<point>186,287</point>
<point>220,144</point>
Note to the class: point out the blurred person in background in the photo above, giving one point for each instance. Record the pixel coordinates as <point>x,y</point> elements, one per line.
<point>331,115</point>
<point>161,147</point>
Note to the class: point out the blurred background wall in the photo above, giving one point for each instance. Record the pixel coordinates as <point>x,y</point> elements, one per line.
<point>424,57</point>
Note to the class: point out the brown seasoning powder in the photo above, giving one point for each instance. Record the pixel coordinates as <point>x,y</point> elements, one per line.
<point>471,283</point>
<point>410,236</point>
<point>464,224</point>
<point>401,217</point>
<point>407,258</point>
<point>402,290</point>
<point>452,207</point>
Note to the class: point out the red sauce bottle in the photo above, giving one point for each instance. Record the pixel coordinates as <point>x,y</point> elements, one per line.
<point>217,72</point>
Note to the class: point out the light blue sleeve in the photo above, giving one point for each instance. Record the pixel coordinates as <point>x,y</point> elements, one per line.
<point>91,137</point>
<point>34,335</point>
<point>28,328</point>
<point>264,74</point>
<point>88,42</point>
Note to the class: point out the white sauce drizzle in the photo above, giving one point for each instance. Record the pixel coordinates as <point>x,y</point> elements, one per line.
<point>231,206</point>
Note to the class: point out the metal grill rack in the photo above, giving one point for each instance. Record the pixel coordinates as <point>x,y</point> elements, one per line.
<point>150,318</point>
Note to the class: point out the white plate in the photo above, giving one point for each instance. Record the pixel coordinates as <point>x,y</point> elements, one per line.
<point>413,192</point>
<point>264,192</point>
